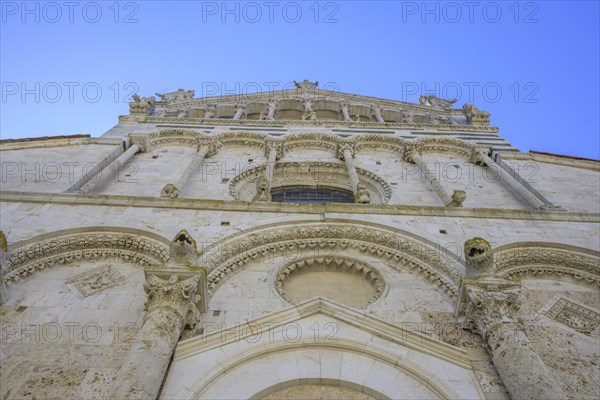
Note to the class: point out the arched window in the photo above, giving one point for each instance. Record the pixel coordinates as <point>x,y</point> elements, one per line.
<point>309,195</point>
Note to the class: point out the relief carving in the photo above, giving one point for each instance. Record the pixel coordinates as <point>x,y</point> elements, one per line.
<point>95,280</point>
<point>574,316</point>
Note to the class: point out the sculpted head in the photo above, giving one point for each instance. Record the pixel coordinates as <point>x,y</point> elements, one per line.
<point>183,248</point>
<point>479,258</point>
<point>477,250</point>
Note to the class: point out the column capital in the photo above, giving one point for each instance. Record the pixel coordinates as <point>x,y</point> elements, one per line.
<point>487,299</point>
<point>213,145</point>
<point>479,154</point>
<point>274,145</point>
<point>490,305</point>
<point>342,148</point>
<point>410,150</point>
<point>174,295</point>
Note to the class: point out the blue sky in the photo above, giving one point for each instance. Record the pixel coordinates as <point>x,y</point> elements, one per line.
<point>70,67</point>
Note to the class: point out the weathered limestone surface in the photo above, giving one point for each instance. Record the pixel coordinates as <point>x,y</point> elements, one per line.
<point>259,299</point>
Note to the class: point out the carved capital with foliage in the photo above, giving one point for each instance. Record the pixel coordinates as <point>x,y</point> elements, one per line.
<point>173,295</point>
<point>489,306</point>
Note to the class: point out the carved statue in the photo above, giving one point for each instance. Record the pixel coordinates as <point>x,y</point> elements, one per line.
<point>434,101</point>
<point>143,106</point>
<point>475,116</point>
<point>305,84</point>
<point>309,115</point>
<point>458,197</point>
<point>209,114</point>
<point>479,258</point>
<point>263,190</point>
<point>265,117</point>
<point>180,94</point>
<point>183,249</point>
<point>362,194</point>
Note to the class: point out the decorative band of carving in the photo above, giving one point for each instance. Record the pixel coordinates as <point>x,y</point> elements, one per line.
<point>132,248</point>
<point>289,171</point>
<point>328,240</point>
<point>331,142</point>
<point>547,261</point>
<point>331,264</point>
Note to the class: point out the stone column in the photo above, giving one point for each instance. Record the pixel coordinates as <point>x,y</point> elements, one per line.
<point>75,188</point>
<point>171,306</point>
<point>489,313</point>
<point>272,109</point>
<point>378,115</point>
<point>3,250</point>
<point>345,111</point>
<point>490,304</point>
<point>263,186</point>
<point>118,163</point>
<point>271,160</point>
<point>529,197</point>
<point>173,190</point>
<point>457,197</point>
<point>346,151</point>
<point>239,110</point>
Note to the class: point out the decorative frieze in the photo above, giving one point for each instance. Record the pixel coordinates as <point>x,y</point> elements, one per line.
<point>131,248</point>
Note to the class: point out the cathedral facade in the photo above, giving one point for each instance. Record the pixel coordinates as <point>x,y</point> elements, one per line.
<point>299,244</point>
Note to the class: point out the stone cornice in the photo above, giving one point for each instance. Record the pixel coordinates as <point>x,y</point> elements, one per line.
<point>302,95</point>
<point>592,165</point>
<point>61,142</point>
<point>245,206</point>
<point>308,123</point>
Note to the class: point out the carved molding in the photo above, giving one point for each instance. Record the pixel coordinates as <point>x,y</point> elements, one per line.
<point>25,259</point>
<point>307,173</point>
<point>331,264</point>
<point>577,317</point>
<point>539,260</point>
<point>430,111</point>
<point>319,140</point>
<point>329,239</point>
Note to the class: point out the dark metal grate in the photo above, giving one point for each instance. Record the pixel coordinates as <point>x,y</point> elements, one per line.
<point>312,196</point>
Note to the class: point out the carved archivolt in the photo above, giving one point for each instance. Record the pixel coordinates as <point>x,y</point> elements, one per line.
<point>311,174</point>
<point>549,260</point>
<point>314,140</point>
<point>331,264</point>
<point>400,250</point>
<point>137,247</point>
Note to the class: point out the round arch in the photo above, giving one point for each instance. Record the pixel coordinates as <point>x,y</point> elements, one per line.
<point>408,374</point>
<point>548,260</point>
<point>134,246</point>
<point>326,239</point>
